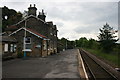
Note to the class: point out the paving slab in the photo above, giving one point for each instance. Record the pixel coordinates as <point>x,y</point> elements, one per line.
<point>60,65</point>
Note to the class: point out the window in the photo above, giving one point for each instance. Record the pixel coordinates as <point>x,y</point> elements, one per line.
<point>27,44</point>
<point>15,47</point>
<point>11,47</point>
<point>27,40</point>
<point>51,33</point>
<point>6,47</point>
<point>54,34</point>
<point>44,45</point>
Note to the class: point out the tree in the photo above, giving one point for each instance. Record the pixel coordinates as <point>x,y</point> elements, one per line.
<point>92,44</point>
<point>82,42</point>
<point>106,38</point>
<point>10,17</point>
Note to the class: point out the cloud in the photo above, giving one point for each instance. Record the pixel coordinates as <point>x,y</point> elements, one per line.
<point>83,29</point>
<point>60,24</point>
<point>74,19</point>
<point>60,0</point>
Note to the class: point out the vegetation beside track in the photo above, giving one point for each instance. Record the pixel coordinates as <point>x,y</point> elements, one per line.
<point>110,58</point>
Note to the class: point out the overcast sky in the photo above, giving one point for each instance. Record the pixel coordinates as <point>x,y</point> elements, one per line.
<point>74,18</point>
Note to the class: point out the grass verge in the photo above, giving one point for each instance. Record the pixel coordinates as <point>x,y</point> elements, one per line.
<point>112,59</point>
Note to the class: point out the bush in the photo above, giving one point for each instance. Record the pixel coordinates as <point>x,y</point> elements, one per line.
<point>19,55</point>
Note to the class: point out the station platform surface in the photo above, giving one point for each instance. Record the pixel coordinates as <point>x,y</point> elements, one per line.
<point>60,65</point>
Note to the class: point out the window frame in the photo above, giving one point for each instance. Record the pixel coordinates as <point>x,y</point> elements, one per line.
<point>15,47</point>
<point>6,49</point>
<point>11,47</point>
<point>25,40</point>
<point>25,44</point>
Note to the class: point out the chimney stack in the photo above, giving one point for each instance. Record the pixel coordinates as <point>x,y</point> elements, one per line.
<point>42,15</point>
<point>32,10</point>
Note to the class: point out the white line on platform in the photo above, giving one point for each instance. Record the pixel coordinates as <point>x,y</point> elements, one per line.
<point>83,65</point>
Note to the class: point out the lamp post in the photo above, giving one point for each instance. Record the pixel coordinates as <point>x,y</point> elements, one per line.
<point>75,44</point>
<point>66,44</point>
<point>24,41</point>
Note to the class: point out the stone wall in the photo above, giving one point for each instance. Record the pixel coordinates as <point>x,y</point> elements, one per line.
<point>35,41</point>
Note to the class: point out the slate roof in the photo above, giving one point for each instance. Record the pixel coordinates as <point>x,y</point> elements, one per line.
<point>14,26</point>
<point>32,32</point>
<point>29,17</point>
<point>36,33</point>
<point>7,39</point>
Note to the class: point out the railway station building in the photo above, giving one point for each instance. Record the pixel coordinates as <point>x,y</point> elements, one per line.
<point>34,35</point>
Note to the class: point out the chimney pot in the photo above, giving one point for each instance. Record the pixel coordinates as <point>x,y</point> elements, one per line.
<point>30,5</point>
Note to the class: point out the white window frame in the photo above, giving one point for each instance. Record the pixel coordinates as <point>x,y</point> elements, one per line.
<point>25,38</point>
<point>44,45</point>
<point>51,33</point>
<point>11,48</point>
<point>15,46</point>
<point>24,48</point>
<point>6,47</point>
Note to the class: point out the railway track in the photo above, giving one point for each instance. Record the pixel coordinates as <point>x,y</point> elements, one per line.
<point>94,70</point>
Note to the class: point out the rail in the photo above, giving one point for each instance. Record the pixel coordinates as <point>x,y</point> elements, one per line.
<point>95,70</point>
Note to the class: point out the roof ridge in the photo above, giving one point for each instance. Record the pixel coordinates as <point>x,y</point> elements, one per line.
<point>28,17</point>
